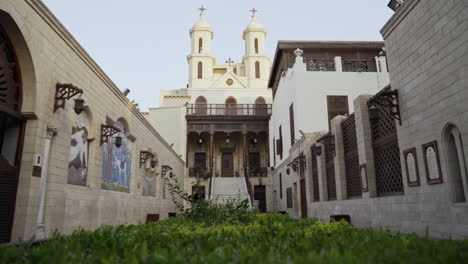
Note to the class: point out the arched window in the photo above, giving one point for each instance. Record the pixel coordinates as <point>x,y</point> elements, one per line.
<point>257,70</point>
<point>260,106</point>
<point>256,45</point>
<point>200,70</point>
<point>456,163</point>
<point>200,45</point>
<point>201,106</point>
<point>231,106</point>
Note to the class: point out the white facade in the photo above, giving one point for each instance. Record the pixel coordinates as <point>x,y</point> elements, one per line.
<point>308,91</point>
<point>217,82</point>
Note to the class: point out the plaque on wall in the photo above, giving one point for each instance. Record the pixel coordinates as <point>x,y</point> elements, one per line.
<point>411,165</point>
<point>363,173</point>
<point>432,163</point>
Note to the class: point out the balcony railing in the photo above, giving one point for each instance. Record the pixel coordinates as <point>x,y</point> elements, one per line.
<point>320,65</point>
<point>258,172</point>
<point>359,66</point>
<point>229,109</point>
<point>199,172</point>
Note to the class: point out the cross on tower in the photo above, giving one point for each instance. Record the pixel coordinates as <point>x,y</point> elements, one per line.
<point>202,9</point>
<point>229,62</point>
<point>253,11</point>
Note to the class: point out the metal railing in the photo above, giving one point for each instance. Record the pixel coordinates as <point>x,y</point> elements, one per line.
<point>320,65</point>
<point>229,109</point>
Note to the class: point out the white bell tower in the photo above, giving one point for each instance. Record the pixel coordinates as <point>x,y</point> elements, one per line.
<point>257,63</point>
<point>200,59</point>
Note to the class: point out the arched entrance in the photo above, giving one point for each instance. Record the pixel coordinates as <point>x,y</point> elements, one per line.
<point>11,133</point>
<point>457,170</point>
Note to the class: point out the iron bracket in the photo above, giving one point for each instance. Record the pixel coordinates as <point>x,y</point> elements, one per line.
<point>64,92</point>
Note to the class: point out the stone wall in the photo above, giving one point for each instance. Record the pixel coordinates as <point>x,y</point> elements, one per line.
<point>48,55</point>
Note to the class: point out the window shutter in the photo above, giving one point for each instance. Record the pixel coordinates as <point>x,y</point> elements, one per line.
<point>291,123</point>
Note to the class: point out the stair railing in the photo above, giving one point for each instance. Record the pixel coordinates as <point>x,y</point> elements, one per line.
<point>248,186</point>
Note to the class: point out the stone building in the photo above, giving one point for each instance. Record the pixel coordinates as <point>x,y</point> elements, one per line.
<point>219,123</point>
<point>399,162</point>
<point>75,153</point>
<point>312,82</point>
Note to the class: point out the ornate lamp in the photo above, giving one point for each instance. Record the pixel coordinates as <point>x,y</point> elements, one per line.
<point>373,114</point>
<point>153,164</point>
<point>118,141</point>
<point>79,106</point>
<point>200,141</point>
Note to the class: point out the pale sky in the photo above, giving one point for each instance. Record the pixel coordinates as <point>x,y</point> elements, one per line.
<point>142,44</point>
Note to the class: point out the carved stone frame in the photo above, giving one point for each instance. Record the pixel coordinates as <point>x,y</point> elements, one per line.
<point>436,149</point>
<point>405,154</point>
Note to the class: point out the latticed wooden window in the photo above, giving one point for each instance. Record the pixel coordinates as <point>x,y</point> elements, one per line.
<point>200,70</point>
<point>336,105</point>
<point>257,70</point>
<point>353,178</point>
<point>289,198</point>
<point>388,174</point>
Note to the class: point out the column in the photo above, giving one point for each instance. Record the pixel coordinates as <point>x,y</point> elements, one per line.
<point>322,174</point>
<point>40,226</point>
<point>245,154</point>
<point>339,160</point>
<point>211,150</point>
<point>338,64</point>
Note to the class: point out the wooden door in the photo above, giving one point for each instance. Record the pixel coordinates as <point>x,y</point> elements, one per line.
<point>227,166</point>
<point>260,195</point>
<point>11,134</point>
<point>303,199</point>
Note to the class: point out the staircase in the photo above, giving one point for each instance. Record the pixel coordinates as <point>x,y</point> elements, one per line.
<point>226,189</point>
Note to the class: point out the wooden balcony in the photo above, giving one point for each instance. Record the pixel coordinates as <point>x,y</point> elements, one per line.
<point>228,111</point>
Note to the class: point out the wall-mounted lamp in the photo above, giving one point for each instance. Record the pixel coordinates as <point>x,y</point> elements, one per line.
<point>118,141</point>
<point>318,150</point>
<point>79,106</point>
<point>228,140</point>
<point>395,4</point>
<point>153,164</point>
<point>165,169</point>
<point>200,141</point>
<point>254,141</point>
<point>373,114</point>
<point>108,131</point>
<point>144,156</point>
<point>64,92</point>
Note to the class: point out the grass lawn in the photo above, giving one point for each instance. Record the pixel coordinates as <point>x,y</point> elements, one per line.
<point>264,239</point>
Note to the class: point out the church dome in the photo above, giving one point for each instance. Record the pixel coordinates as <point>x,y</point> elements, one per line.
<point>254,26</point>
<point>201,25</point>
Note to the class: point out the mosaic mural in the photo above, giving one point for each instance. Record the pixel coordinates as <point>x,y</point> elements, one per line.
<point>78,156</point>
<point>117,163</point>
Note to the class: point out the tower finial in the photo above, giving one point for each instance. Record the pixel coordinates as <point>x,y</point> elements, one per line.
<point>202,9</point>
<point>253,10</point>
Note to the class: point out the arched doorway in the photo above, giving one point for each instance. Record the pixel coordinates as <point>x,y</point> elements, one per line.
<point>231,106</point>
<point>456,163</point>
<point>11,133</point>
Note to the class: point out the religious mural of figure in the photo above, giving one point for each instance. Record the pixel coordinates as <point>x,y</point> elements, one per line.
<point>117,163</point>
<point>78,156</point>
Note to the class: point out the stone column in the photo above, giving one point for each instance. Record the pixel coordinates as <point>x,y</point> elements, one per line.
<point>40,226</point>
<point>364,142</point>
<point>245,154</point>
<point>339,160</point>
<point>211,149</point>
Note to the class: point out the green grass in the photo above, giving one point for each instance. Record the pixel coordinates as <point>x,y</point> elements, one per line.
<point>264,239</point>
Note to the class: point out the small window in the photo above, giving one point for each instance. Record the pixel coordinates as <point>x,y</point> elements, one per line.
<point>256,46</point>
<point>200,70</point>
<point>281,185</point>
<point>200,45</point>
<point>291,123</point>
<point>257,70</point>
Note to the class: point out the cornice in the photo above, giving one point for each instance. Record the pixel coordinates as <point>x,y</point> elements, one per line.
<point>41,9</point>
<point>399,15</point>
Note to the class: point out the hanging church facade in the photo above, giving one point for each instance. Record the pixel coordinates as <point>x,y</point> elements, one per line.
<point>68,158</point>
<point>220,122</point>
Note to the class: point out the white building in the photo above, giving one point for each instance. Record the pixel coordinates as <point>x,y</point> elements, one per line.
<point>224,108</point>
